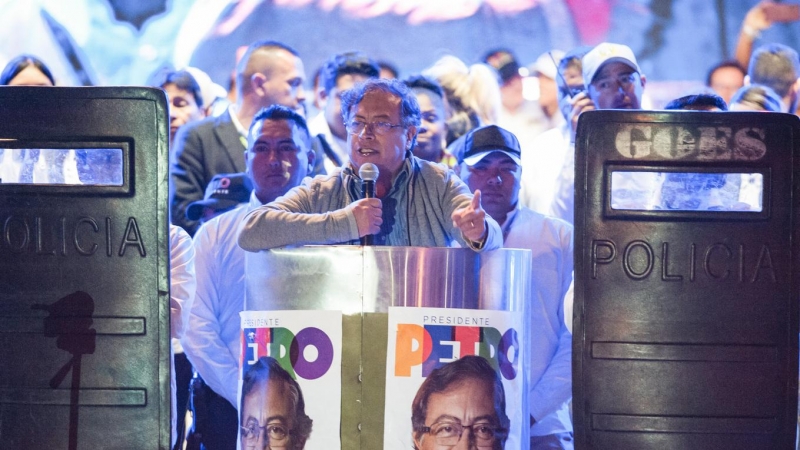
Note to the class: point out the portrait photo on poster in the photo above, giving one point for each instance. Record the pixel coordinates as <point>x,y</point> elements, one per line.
<point>457,374</point>
<point>290,379</point>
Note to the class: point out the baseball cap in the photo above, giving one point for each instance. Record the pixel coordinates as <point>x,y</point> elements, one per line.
<point>604,53</point>
<point>489,139</point>
<point>504,62</point>
<point>224,191</point>
<point>545,65</point>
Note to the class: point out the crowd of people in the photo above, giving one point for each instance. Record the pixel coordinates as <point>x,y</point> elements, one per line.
<point>464,158</point>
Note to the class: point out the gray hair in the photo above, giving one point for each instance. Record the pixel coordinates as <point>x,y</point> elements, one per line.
<point>761,97</point>
<point>776,66</point>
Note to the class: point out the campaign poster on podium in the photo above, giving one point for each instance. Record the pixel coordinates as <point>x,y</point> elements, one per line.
<point>451,373</point>
<point>290,379</point>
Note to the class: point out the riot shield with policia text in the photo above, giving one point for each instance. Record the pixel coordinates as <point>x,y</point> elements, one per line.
<point>84,264</point>
<point>686,272</point>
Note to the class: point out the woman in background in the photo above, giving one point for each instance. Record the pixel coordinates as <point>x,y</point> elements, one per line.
<point>26,70</point>
<point>24,165</point>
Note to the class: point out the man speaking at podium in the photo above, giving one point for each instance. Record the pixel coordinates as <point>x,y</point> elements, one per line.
<point>417,203</point>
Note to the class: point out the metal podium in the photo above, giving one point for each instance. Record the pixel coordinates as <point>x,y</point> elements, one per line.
<point>363,282</point>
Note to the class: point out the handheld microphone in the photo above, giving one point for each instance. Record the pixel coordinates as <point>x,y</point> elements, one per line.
<point>368,173</point>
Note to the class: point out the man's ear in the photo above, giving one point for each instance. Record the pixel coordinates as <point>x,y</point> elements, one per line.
<point>411,132</point>
<point>644,80</point>
<point>311,158</point>
<point>417,442</point>
<point>795,96</point>
<point>322,97</point>
<point>257,81</point>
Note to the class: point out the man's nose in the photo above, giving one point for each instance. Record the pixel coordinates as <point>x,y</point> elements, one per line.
<point>495,178</point>
<point>466,442</point>
<point>301,94</point>
<point>273,158</point>
<point>367,131</point>
<point>625,86</point>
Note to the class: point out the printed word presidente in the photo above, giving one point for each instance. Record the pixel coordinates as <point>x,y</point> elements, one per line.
<point>433,346</point>
<point>294,352</point>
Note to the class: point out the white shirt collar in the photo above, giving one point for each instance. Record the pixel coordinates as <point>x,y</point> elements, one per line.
<point>235,120</point>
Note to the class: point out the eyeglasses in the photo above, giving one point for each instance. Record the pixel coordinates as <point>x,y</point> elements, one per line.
<point>449,433</point>
<point>610,84</point>
<point>358,127</point>
<point>277,434</point>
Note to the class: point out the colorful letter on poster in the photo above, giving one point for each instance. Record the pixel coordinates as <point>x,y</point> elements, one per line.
<point>430,347</point>
<point>287,354</point>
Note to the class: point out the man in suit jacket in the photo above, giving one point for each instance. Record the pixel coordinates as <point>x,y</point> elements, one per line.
<point>269,73</point>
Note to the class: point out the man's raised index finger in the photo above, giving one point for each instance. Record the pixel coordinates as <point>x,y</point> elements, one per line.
<point>476,200</point>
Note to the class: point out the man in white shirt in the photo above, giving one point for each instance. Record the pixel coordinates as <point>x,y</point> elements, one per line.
<point>612,80</point>
<point>491,163</point>
<point>548,152</point>
<point>278,157</point>
<point>182,286</point>
<point>525,118</point>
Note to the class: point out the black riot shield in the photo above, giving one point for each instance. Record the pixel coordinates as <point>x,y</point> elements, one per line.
<point>84,294</point>
<point>686,293</point>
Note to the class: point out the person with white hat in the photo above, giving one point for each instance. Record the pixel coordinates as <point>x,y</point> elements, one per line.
<point>613,80</point>
<point>525,117</point>
<point>545,69</point>
<point>551,149</point>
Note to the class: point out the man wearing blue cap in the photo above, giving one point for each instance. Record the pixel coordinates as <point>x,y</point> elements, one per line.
<point>225,192</point>
<point>490,163</point>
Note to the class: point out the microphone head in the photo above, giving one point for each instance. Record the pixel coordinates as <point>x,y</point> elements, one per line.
<point>368,172</point>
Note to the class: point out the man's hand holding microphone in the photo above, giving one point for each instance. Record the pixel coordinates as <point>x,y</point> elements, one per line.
<point>367,210</point>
